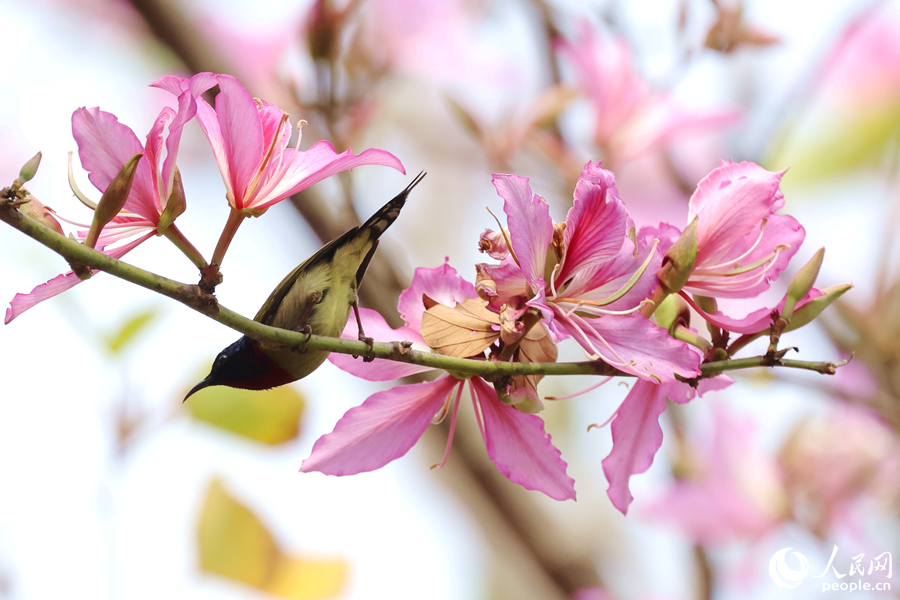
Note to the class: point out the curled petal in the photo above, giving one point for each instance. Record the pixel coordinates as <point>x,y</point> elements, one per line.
<point>519,447</point>
<point>381,429</point>
<point>441,284</point>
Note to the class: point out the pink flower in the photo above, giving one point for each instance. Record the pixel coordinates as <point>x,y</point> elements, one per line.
<point>732,491</point>
<point>630,119</point>
<point>249,140</point>
<point>389,423</point>
<point>104,146</point>
<point>591,294</point>
<point>636,433</point>
<point>742,245</point>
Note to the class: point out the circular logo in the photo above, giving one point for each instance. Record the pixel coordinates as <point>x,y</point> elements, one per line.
<point>782,574</point>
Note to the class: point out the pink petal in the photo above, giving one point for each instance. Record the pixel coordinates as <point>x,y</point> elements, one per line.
<point>499,283</point>
<point>381,429</point>
<point>379,369</point>
<point>781,230</point>
<point>310,167</point>
<point>242,135</point>
<point>758,320</point>
<point>633,344</point>
<point>530,226</point>
<point>22,302</point>
<point>519,447</point>
<point>636,433</point>
<point>104,144</point>
<point>441,284</point>
<point>595,225</point>
<point>731,202</point>
<point>636,438</point>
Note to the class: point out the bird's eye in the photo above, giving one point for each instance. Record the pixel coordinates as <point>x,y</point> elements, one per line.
<point>220,360</point>
<point>321,296</point>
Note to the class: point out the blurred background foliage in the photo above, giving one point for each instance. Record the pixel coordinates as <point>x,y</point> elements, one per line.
<point>113,489</point>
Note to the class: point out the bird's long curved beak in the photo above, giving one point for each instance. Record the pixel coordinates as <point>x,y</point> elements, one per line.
<point>203,384</point>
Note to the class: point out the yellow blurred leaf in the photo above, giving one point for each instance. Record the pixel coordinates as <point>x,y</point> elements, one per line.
<point>129,330</point>
<point>300,579</point>
<point>270,417</point>
<point>235,544</point>
<point>848,143</point>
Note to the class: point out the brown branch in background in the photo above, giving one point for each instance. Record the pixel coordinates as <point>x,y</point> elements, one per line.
<point>530,548</point>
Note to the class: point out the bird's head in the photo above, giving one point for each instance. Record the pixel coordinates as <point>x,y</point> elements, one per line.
<point>243,364</point>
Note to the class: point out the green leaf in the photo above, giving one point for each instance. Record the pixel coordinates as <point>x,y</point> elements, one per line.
<point>235,544</point>
<point>129,330</point>
<point>271,416</point>
<point>847,143</point>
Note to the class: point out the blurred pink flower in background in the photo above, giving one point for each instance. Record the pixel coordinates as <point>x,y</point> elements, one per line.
<point>826,479</point>
<point>863,68</point>
<point>730,491</point>
<point>630,118</point>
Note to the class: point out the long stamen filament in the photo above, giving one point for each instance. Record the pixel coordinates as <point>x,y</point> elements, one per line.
<point>452,425</point>
<point>762,230</point>
<point>265,161</point>
<point>505,237</point>
<point>582,392</point>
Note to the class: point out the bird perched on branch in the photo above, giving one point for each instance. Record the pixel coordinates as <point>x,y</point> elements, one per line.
<point>316,297</point>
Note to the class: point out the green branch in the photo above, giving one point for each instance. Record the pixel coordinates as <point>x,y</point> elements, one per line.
<point>193,297</point>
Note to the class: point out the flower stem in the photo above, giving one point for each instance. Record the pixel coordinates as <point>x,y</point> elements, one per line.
<point>174,235</point>
<point>235,218</point>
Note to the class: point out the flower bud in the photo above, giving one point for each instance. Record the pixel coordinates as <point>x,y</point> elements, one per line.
<point>28,171</point>
<point>175,205</point>
<point>494,244</point>
<point>812,309</point>
<point>40,213</point>
<point>113,199</point>
<point>679,261</point>
<point>801,284</point>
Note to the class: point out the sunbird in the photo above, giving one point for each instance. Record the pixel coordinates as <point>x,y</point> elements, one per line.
<point>316,297</point>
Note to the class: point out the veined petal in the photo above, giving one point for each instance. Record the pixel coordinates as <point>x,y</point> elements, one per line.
<point>22,302</point>
<point>758,320</point>
<point>636,437</point>
<point>441,284</point>
<point>381,429</point>
<point>636,433</point>
<point>498,283</point>
<point>379,369</point>
<point>633,344</point>
<point>595,225</point>
<point>530,226</point>
<point>519,447</point>
<point>242,135</point>
<point>781,230</point>
<point>312,166</point>
<point>731,202</point>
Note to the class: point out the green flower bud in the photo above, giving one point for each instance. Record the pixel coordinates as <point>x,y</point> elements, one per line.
<point>175,205</point>
<point>113,199</point>
<point>812,309</point>
<point>801,283</point>
<point>28,171</point>
<point>672,312</point>
<point>679,261</point>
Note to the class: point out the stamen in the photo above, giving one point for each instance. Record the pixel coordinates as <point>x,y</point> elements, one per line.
<point>452,426</point>
<point>604,423</point>
<point>265,161</point>
<point>621,361</point>
<point>762,230</point>
<point>84,199</point>
<point>576,394</point>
